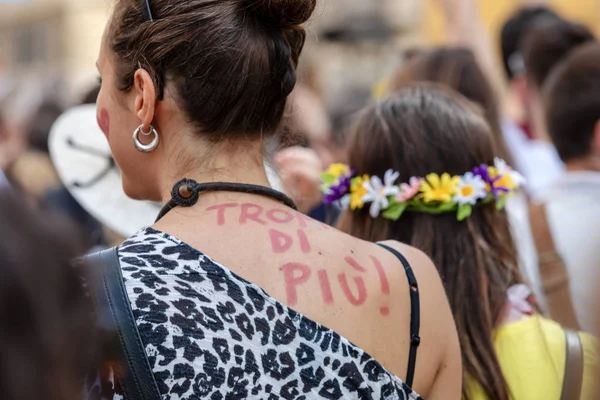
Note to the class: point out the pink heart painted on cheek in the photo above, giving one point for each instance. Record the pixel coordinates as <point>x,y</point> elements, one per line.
<point>104,122</point>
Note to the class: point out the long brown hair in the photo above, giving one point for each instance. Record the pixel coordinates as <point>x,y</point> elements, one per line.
<point>422,130</point>
<point>458,69</point>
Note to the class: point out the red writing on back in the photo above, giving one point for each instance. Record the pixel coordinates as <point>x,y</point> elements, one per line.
<point>294,274</point>
<point>251,212</point>
<point>280,216</point>
<point>221,211</point>
<point>325,286</point>
<point>360,297</point>
<point>282,242</point>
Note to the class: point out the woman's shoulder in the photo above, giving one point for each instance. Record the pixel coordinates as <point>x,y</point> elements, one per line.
<point>437,327</point>
<point>431,289</point>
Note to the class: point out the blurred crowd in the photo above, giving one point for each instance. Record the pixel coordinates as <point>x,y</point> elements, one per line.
<point>520,278</point>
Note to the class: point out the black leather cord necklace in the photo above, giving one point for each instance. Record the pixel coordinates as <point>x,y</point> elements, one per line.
<point>186,192</point>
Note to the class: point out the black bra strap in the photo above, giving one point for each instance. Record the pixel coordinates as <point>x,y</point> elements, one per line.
<point>415,315</point>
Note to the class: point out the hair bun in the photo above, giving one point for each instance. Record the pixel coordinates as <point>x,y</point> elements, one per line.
<point>286,13</point>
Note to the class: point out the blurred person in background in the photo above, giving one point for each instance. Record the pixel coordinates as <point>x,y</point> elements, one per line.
<point>572,206</point>
<point>547,43</point>
<point>512,35</point>
<point>447,211</point>
<point>199,113</point>
<point>47,335</point>
<point>464,28</point>
<point>533,157</point>
<point>458,69</point>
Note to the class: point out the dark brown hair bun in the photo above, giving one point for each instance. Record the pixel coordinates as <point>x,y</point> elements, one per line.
<point>285,13</point>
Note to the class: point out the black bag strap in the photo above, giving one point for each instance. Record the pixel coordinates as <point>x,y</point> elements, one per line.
<point>114,310</point>
<point>573,378</point>
<point>415,315</point>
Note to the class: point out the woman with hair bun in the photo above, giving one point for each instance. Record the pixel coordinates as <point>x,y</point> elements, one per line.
<point>190,89</point>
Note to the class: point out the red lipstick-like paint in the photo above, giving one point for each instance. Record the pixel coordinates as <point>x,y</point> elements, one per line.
<point>104,122</point>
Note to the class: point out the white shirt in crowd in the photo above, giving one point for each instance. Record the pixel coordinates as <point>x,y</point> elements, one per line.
<point>573,212</point>
<point>536,160</point>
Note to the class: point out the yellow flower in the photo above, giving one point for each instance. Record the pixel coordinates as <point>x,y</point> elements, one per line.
<point>505,181</point>
<point>337,170</point>
<point>357,192</point>
<point>439,189</point>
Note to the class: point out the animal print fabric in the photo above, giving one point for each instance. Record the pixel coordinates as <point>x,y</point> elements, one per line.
<point>209,334</point>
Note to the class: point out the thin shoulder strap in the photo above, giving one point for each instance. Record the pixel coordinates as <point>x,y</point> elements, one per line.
<point>415,315</point>
<point>573,378</point>
<point>114,309</point>
<point>552,269</point>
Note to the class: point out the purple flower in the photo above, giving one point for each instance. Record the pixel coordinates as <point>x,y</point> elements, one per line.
<point>336,192</point>
<point>484,172</point>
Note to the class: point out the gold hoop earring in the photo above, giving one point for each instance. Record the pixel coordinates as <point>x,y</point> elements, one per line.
<point>145,148</point>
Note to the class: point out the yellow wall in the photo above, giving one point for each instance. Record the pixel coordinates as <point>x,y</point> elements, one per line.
<point>495,12</point>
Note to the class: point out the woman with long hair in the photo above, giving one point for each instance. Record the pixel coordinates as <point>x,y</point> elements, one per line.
<point>450,206</point>
<point>231,289</point>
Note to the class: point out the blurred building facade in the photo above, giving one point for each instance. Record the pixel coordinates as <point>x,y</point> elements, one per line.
<point>495,12</point>
<point>51,44</point>
<point>54,43</point>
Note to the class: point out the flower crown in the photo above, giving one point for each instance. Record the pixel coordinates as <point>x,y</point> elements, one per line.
<point>434,194</point>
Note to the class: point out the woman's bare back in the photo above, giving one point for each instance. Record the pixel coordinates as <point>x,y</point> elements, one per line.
<point>355,288</point>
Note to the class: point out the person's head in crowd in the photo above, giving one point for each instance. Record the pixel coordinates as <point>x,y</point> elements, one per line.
<point>429,129</point>
<point>198,105</point>
<point>456,68</point>
<point>547,43</point>
<point>572,105</point>
<point>47,340</point>
<point>512,35</point>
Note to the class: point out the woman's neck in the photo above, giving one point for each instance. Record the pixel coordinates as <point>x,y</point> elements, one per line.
<point>243,166</point>
<point>590,163</point>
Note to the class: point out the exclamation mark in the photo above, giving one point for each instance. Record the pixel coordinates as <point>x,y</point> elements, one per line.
<point>385,285</point>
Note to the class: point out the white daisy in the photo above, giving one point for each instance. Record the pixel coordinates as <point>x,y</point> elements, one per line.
<point>379,192</point>
<point>470,189</point>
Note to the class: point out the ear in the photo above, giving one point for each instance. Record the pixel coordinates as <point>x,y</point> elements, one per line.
<point>145,97</point>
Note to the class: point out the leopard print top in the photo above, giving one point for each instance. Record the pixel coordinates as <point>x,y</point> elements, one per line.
<point>209,334</point>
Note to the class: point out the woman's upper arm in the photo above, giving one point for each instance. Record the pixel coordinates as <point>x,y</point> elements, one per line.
<point>448,382</point>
